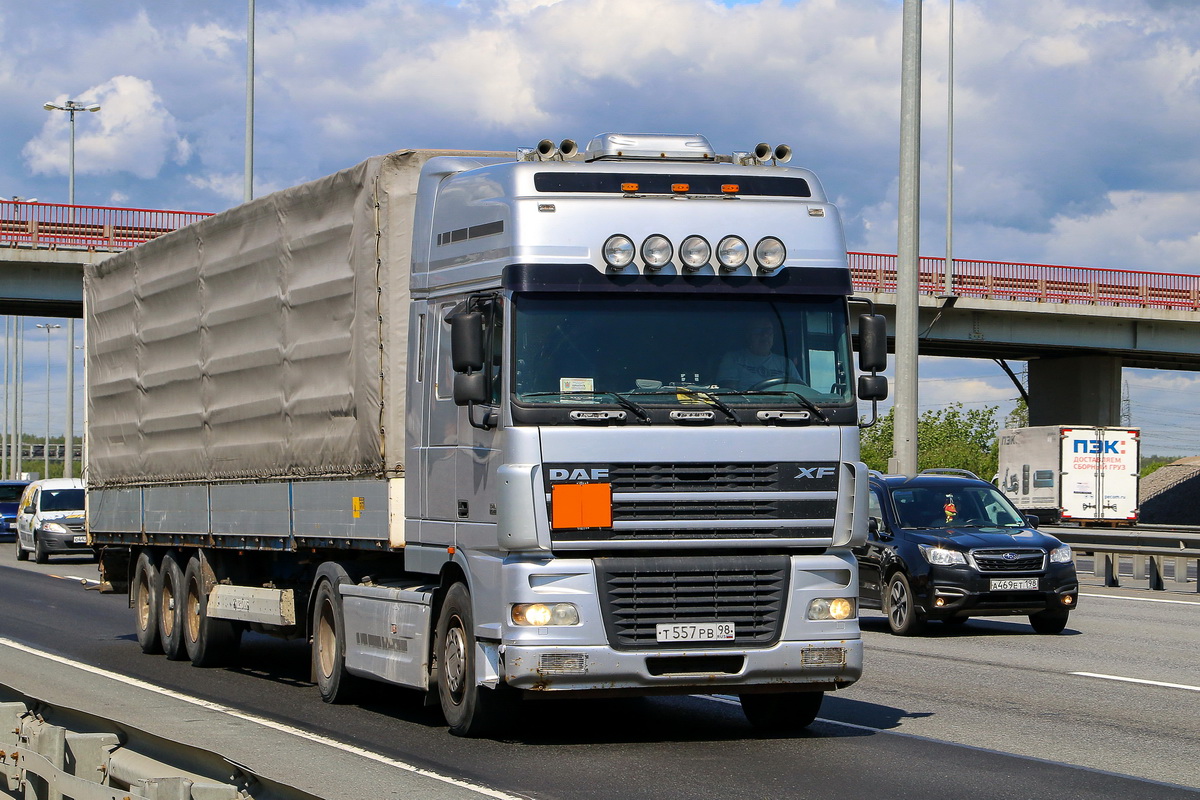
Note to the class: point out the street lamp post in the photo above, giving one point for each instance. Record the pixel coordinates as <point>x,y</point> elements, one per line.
<point>71,106</point>
<point>46,448</point>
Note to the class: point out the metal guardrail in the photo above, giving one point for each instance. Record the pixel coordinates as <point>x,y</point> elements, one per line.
<point>1040,283</point>
<point>1143,557</point>
<point>51,753</point>
<point>49,226</point>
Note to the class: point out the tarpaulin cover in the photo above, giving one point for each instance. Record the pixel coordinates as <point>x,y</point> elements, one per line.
<point>251,345</point>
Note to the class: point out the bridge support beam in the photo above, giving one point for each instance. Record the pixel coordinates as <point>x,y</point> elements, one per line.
<point>1076,390</point>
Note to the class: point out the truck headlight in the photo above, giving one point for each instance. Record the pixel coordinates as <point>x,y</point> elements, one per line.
<point>54,527</point>
<point>695,252</point>
<point>657,251</point>
<point>1061,555</point>
<point>941,556</point>
<point>618,251</point>
<point>825,608</point>
<point>770,253</point>
<point>539,615</point>
<point>732,252</point>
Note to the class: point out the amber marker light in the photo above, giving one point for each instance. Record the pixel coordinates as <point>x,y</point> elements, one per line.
<point>730,188</point>
<point>680,188</point>
<point>629,188</point>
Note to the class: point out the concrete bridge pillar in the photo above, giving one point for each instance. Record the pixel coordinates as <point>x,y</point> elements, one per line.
<point>1076,390</point>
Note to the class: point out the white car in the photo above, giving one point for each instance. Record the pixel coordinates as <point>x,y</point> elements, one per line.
<point>50,520</point>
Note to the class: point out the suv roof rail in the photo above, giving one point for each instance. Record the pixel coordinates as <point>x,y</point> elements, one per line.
<point>966,473</point>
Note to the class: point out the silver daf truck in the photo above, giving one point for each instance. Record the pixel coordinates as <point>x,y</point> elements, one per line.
<point>570,421</point>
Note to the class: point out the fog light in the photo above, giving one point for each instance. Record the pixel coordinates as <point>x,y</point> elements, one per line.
<point>939,602</point>
<point>1067,600</point>
<point>539,615</point>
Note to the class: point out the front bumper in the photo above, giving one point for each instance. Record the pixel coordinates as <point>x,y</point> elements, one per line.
<point>60,543</point>
<point>818,664</point>
<point>948,592</point>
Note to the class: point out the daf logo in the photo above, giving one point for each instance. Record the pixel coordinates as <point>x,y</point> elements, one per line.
<point>579,474</point>
<point>814,472</point>
<point>1009,556</point>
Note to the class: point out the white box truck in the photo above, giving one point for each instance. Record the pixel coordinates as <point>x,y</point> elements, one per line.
<point>569,421</point>
<point>1072,473</point>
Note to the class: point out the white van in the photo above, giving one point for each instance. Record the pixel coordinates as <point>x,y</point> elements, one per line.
<point>50,520</point>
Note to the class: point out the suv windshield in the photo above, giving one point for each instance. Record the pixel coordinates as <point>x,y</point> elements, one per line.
<point>954,506</point>
<point>762,350</point>
<point>62,500</point>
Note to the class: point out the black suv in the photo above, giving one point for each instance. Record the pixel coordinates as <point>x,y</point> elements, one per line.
<point>945,545</point>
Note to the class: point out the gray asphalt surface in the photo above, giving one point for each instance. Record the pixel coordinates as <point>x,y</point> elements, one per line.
<point>986,710</point>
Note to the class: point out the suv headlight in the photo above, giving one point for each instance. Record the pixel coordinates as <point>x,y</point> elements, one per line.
<point>1061,555</point>
<point>942,557</point>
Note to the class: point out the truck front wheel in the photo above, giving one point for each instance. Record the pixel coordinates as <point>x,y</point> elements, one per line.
<point>782,713</point>
<point>144,597</point>
<point>329,648</point>
<point>470,710</point>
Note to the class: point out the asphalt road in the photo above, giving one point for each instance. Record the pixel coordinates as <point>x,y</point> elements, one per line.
<point>987,710</point>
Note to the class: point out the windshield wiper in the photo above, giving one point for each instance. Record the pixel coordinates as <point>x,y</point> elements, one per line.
<point>622,400</point>
<point>804,401</point>
<point>703,394</point>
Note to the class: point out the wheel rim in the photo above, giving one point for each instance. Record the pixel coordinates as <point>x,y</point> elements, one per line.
<point>455,660</point>
<point>326,641</point>
<point>168,608</point>
<point>192,612</point>
<point>898,604</point>
<point>142,602</point>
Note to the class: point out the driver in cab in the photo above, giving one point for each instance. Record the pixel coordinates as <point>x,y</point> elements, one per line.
<point>756,362</point>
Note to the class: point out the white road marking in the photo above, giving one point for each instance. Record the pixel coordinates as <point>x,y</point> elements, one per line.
<point>1138,680</point>
<point>1142,599</point>
<point>266,723</point>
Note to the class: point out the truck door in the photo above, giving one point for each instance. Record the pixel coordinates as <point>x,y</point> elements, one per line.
<point>475,456</point>
<point>439,433</point>
<point>1117,486</point>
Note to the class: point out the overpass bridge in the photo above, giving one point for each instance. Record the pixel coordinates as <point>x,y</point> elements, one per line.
<point>1075,326</point>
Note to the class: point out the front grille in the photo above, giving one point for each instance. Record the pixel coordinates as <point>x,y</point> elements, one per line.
<point>1010,560</point>
<point>695,477</point>
<point>640,593</point>
<point>73,525</point>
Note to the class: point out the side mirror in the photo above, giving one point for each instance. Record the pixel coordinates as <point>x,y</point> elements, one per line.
<point>872,343</point>
<point>466,342</point>
<point>1033,520</point>
<point>873,525</point>
<point>470,388</point>
<point>872,387</point>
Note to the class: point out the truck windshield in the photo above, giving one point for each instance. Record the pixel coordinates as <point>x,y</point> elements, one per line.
<point>761,350</point>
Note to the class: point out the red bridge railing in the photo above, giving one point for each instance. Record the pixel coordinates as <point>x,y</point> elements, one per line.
<point>1039,283</point>
<point>48,225</point>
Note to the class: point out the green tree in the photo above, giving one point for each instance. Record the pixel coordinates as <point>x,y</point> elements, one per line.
<point>954,437</point>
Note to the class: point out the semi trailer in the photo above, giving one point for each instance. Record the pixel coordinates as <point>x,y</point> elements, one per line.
<point>556,422</point>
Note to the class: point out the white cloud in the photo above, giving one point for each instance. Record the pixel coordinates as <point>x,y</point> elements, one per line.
<point>133,132</point>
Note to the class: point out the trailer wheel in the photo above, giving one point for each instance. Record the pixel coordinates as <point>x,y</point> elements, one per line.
<point>144,596</point>
<point>469,709</point>
<point>781,713</point>
<point>329,648</point>
<point>209,642</point>
<point>170,607</point>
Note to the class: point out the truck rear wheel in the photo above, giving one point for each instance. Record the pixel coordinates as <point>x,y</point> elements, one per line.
<point>170,607</point>
<point>144,597</point>
<point>329,648</point>
<point>469,709</point>
<point>209,642</point>
<point>782,713</point>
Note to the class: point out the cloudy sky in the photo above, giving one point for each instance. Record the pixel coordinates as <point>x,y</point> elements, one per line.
<point>1075,120</point>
